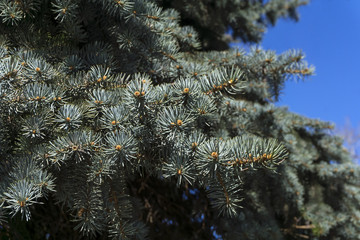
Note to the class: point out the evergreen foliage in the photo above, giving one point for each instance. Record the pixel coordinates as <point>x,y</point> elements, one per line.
<point>248,19</point>
<point>115,123</point>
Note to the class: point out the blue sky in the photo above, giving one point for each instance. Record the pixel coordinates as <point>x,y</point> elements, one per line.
<point>329,34</point>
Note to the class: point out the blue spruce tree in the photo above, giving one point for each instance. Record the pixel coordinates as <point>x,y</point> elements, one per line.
<point>131,119</point>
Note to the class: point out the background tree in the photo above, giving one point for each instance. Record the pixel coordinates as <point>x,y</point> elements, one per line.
<point>115,119</point>
<point>247,19</point>
<point>351,136</point>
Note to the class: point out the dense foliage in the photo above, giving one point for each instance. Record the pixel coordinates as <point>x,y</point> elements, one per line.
<point>119,121</point>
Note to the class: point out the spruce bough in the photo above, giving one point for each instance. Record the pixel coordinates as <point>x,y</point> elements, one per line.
<point>116,123</point>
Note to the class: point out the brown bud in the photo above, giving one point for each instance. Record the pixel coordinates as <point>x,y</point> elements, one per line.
<point>214,154</point>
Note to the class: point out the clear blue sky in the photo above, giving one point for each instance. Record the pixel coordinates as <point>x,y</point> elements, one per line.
<point>329,34</point>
